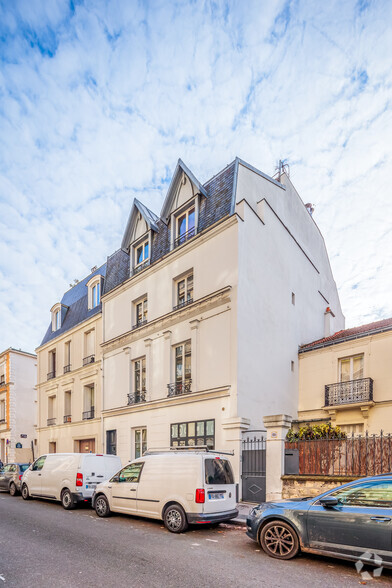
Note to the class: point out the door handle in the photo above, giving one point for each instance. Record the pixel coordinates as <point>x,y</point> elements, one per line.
<point>39,474</point>
<point>132,490</point>
<point>380,519</point>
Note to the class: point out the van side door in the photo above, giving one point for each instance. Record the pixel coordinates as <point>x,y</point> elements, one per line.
<point>124,488</point>
<point>149,492</point>
<point>34,483</point>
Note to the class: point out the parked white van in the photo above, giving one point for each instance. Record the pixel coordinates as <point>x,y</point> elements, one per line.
<point>179,486</point>
<point>68,477</point>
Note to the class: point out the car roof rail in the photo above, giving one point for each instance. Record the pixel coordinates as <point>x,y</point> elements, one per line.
<point>195,448</point>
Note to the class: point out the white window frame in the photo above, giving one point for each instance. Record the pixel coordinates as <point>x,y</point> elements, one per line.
<point>141,245</point>
<point>94,286</point>
<point>351,358</point>
<point>143,303</point>
<point>143,363</point>
<point>188,292</point>
<point>183,356</point>
<point>143,444</point>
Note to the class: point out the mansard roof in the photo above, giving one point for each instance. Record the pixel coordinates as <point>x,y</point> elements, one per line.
<point>76,299</point>
<point>149,216</point>
<point>181,169</point>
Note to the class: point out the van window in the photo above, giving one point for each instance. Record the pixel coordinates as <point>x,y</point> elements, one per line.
<point>131,472</point>
<point>39,464</point>
<point>218,471</point>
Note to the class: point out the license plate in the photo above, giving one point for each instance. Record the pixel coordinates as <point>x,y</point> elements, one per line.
<point>91,486</point>
<point>216,496</point>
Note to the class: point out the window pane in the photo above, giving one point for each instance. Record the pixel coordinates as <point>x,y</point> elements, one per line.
<point>181,292</point>
<point>131,473</point>
<point>210,428</point>
<point>146,250</point>
<point>188,367</point>
<point>174,430</point>
<point>200,428</point>
<point>358,368</point>
<point>191,220</point>
<point>191,429</point>
<point>139,255</point>
<point>181,225</point>
<point>345,370</point>
<point>218,471</point>
<point>182,428</point>
<point>189,288</point>
<point>191,441</point>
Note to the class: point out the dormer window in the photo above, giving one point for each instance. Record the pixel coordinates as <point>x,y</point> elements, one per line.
<point>142,253</point>
<point>58,312</point>
<point>57,319</point>
<point>96,294</point>
<point>186,228</point>
<point>94,286</point>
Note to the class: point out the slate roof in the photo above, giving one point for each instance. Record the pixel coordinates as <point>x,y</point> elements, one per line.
<point>348,334</point>
<point>77,300</point>
<point>217,204</point>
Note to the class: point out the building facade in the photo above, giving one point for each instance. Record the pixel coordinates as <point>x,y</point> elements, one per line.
<point>69,371</point>
<point>204,308</point>
<point>18,405</point>
<point>347,379</point>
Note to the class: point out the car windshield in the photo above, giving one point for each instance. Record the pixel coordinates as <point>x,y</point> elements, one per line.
<point>23,467</point>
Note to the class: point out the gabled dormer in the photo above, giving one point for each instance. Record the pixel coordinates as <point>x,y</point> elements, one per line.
<point>94,290</point>
<point>182,204</point>
<point>58,312</point>
<point>137,240</point>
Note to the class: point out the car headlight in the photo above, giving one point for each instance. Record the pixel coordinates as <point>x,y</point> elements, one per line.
<point>256,510</point>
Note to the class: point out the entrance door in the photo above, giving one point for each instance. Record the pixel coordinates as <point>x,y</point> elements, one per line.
<point>253,470</point>
<point>87,446</point>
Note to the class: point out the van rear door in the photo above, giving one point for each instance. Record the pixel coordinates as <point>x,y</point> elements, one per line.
<point>97,469</point>
<point>219,485</point>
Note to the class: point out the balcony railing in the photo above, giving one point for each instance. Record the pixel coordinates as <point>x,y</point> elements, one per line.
<point>140,267</point>
<point>182,304</point>
<point>51,375</point>
<point>51,422</point>
<point>67,418</point>
<point>88,414</point>
<point>67,368</point>
<point>88,359</point>
<point>139,324</point>
<point>137,397</point>
<point>350,392</point>
<point>185,237</point>
<point>178,388</point>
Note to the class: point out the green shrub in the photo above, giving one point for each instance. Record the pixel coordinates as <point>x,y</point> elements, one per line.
<point>323,431</point>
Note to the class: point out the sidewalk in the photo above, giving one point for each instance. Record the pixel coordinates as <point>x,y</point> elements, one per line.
<point>243,508</point>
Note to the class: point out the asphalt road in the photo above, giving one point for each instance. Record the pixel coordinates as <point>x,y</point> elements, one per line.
<point>42,545</point>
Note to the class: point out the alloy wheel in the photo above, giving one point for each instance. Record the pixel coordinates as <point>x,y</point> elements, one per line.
<point>279,540</point>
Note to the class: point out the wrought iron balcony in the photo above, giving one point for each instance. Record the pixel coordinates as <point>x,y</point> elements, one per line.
<point>67,418</point>
<point>51,375</point>
<point>350,392</point>
<point>139,324</point>
<point>88,414</point>
<point>67,368</point>
<point>51,422</point>
<point>182,304</point>
<point>185,237</point>
<point>140,267</point>
<point>88,359</point>
<point>178,388</point>
<point>137,397</point>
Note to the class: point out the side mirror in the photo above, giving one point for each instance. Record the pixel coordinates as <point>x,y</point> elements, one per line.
<point>115,479</point>
<point>328,501</point>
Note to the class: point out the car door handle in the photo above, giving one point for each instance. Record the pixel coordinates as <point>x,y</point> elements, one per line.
<point>380,519</point>
<point>132,490</point>
<point>39,474</point>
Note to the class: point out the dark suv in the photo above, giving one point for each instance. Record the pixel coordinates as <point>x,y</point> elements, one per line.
<point>351,522</point>
<point>11,476</point>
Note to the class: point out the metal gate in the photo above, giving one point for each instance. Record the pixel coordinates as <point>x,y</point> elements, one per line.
<point>253,470</point>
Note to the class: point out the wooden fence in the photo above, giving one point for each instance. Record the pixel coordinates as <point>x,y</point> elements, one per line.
<point>356,455</point>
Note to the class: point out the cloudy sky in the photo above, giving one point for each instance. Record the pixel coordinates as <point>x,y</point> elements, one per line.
<point>99,99</point>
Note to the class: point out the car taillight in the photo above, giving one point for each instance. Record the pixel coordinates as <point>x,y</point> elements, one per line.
<point>200,495</point>
<point>20,476</point>
<point>79,479</point>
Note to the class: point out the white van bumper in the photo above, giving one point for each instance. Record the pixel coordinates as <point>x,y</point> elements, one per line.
<point>219,517</point>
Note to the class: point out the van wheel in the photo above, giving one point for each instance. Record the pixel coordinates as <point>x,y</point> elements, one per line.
<point>67,500</point>
<point>25,492</point>
<point>278,539</point>
<point>175,519</point>
<point>13,490</point>
<point>102,507</point>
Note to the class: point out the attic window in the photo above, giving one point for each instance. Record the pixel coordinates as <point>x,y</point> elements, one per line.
<point>94,291</point>
<point>142,255</point>
<point>57,319</point>
<point>185,226</point>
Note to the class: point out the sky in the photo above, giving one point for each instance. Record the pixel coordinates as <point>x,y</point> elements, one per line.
<point>99,99</point>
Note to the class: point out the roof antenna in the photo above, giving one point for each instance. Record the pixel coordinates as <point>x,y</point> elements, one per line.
<point>282,168</point>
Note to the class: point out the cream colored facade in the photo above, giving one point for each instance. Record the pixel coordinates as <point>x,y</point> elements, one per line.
<point>362,403</point>
<point>18,405</point>
<point>69,389</point>
<point>261,280</point>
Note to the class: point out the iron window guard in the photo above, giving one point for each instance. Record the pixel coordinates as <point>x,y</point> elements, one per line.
<point>88,359</point>
<point>137,397</point>
<point>178,388</point>
<point>88,414</point>
<point>351,392</point>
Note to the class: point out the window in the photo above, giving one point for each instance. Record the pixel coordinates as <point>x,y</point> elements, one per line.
<point>185,226</point>
<point>52,447</point>
<point>38,464</point>
<point>52,364</point>
<point>67,407</point>
<point>141,310</point>
<point>183,362</point>
<point>140,442</point>
<point>131,473</point>
<point>2,411</point>
<point>89,409</point>
<point>142,253</point>
<point>184,291</point>
<point>51,410</point>
<point>372,494</point>
<point>58,319</point>
<point>89,348</point>
<point>111,442</point>
<point>96,295</point>
<point>218,471</point>
<point>193,433</point>
<point>351,368</point>
<point>139,379</point>
<point>67,357</point>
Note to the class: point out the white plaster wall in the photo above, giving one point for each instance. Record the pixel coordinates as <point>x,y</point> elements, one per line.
<point>23,396</point>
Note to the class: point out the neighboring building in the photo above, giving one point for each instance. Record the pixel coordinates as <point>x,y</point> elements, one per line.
<point>69,371</point>
<point>18,405</point>
<point>347,379</point>
<point>204,309</point>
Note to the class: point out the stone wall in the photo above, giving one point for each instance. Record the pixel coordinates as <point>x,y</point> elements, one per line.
<point>299,486</point>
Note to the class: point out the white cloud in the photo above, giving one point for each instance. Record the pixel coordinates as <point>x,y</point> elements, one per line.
<point>98,102</point>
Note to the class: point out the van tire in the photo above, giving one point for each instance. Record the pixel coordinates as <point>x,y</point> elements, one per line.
<point>67,499</point>
<point>13,490</point>
<point>25,492</point>
<point>102,507</point>
<point>174,519</point>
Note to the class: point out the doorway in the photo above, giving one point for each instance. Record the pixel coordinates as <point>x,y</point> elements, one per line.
<point>85,446</point>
